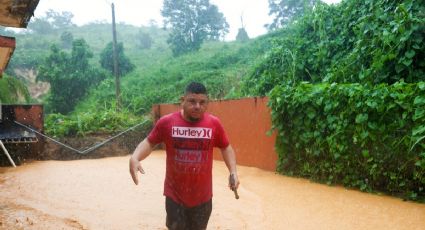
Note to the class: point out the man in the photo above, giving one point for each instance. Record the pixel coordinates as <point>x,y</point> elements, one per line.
<point>189,136</point>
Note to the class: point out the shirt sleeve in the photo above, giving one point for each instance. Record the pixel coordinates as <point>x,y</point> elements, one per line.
<point>221,140</point>
<point>156,135</point>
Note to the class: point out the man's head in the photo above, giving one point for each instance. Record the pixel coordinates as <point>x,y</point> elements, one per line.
<point>196,88</point>
<point>194,101</point>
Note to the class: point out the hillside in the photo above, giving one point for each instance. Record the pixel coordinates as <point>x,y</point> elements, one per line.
<point>32,48</point>
<point>221,65</point>
<point>157,78</point>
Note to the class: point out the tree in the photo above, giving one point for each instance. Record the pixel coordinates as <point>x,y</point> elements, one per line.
<point>107,62</point>
<point>242,35</point>
<point>284,11</point>
<point>40,26</point>
<point>145,40</point>
<point>66,39</point>
<point>192,22</point>
<point>52,20</point>
<point>59,19</point>
<point>70,76</point>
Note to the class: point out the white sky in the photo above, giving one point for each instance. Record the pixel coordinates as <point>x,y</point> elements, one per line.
<point>140,12</point>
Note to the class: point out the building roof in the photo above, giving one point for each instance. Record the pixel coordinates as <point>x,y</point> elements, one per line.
<point>16,13</point>
<point>13,13</point>
<point>7,46</point>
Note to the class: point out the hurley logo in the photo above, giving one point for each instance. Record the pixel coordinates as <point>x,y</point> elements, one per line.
<point>190,132</point>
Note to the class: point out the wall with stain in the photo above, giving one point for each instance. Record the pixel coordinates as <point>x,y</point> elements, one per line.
<point>247,122</point>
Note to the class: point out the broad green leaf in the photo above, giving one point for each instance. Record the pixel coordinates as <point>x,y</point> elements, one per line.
<point>364,134</point>
<point>372,125</point>
<point>419,113</point>
<point>407,62</point>
<point>278,100</point>
<point>365,153</point>
<point>418,130</point>
<point>409,54</point>
<point>421,85</point>
<point>361,118</point>
<point>311,113</point>
<point>372,104</point>
<point>419,100</point>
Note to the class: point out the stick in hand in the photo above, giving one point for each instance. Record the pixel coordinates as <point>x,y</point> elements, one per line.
<point>233,185</point>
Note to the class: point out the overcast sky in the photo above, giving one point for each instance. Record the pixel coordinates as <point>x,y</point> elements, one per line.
<point>141,12</point>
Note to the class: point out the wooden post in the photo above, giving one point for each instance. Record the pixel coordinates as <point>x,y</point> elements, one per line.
<point>7,154</point>
<point>115,59</point>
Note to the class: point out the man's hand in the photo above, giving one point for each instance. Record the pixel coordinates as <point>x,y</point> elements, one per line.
<point>135,167</point>
<point>234,184</point>
<point>141,152</point>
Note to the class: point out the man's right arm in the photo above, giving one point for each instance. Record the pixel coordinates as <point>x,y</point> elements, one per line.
<point>140,153</point>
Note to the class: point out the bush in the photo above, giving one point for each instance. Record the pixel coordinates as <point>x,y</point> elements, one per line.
<point>81,124</point>
<point>13,91</point>
<point>368,137</point>
<point>368,42</point>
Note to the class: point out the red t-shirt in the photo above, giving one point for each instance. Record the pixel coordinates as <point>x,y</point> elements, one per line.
<point>189,147</point>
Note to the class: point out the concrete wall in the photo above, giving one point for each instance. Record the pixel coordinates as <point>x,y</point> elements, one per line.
<point>246,122</point>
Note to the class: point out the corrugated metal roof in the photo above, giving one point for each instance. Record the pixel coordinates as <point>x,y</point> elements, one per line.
<point>16,13</point>
<point>13,13</point>
<point>7,46</point>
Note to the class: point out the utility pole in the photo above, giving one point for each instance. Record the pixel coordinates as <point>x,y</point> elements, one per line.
<point>115,59</point>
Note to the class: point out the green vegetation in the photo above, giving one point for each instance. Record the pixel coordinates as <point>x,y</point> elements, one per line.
<point>345,82</point>
<point>70,76</point>
<point>92,122</point>
<point>353,42</point>
<point>107,60</point>
<point>347,96</point>
<point>219,66</point>
<point>286,11</point>
<point>13,91</point>
<point>363,136</point>
<point>242,35</point>
<point>192,22</point>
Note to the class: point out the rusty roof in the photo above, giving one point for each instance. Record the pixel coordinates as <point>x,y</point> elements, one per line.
<point>7,46</point>
<point>13,13</point>
<point>16,13</point>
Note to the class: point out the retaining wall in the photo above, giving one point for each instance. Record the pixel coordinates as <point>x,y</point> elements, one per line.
<point>246,122</point>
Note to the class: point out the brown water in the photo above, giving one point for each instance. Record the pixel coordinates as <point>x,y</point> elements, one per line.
<point>99,194</point>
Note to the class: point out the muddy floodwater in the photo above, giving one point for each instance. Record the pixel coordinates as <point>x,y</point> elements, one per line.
<point>99,194</point>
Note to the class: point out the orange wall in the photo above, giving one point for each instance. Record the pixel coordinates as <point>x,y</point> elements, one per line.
<point>246,122</point>
<point>31,115</point>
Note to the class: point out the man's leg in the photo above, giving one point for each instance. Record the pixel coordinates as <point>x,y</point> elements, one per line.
<point>176,217</point>
<point>197,217</point>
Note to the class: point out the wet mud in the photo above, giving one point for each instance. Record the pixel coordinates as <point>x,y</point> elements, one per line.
<point>99,194</point>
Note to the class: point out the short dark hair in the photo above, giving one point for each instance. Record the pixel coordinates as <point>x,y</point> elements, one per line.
<point>196,87</point>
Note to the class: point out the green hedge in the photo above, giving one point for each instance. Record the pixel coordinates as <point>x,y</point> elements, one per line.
<point>369,42</point>
<point>367,137</point>
<point>86,123</point>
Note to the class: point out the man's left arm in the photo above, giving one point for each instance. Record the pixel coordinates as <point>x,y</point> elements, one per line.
<point>230,160</point>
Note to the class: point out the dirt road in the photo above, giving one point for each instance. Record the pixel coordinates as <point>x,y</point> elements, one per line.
<point>99,194</point>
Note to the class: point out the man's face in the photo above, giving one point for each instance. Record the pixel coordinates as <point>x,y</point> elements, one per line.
<point>194,106</point>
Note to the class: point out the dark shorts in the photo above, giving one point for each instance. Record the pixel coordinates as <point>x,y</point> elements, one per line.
<point>181,217</point>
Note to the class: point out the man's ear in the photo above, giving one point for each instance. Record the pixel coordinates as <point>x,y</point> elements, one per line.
<point>181,99</point>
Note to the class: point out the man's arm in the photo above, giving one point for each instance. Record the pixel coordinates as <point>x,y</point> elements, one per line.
<point>230,160</point>
<point>140,153</point>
